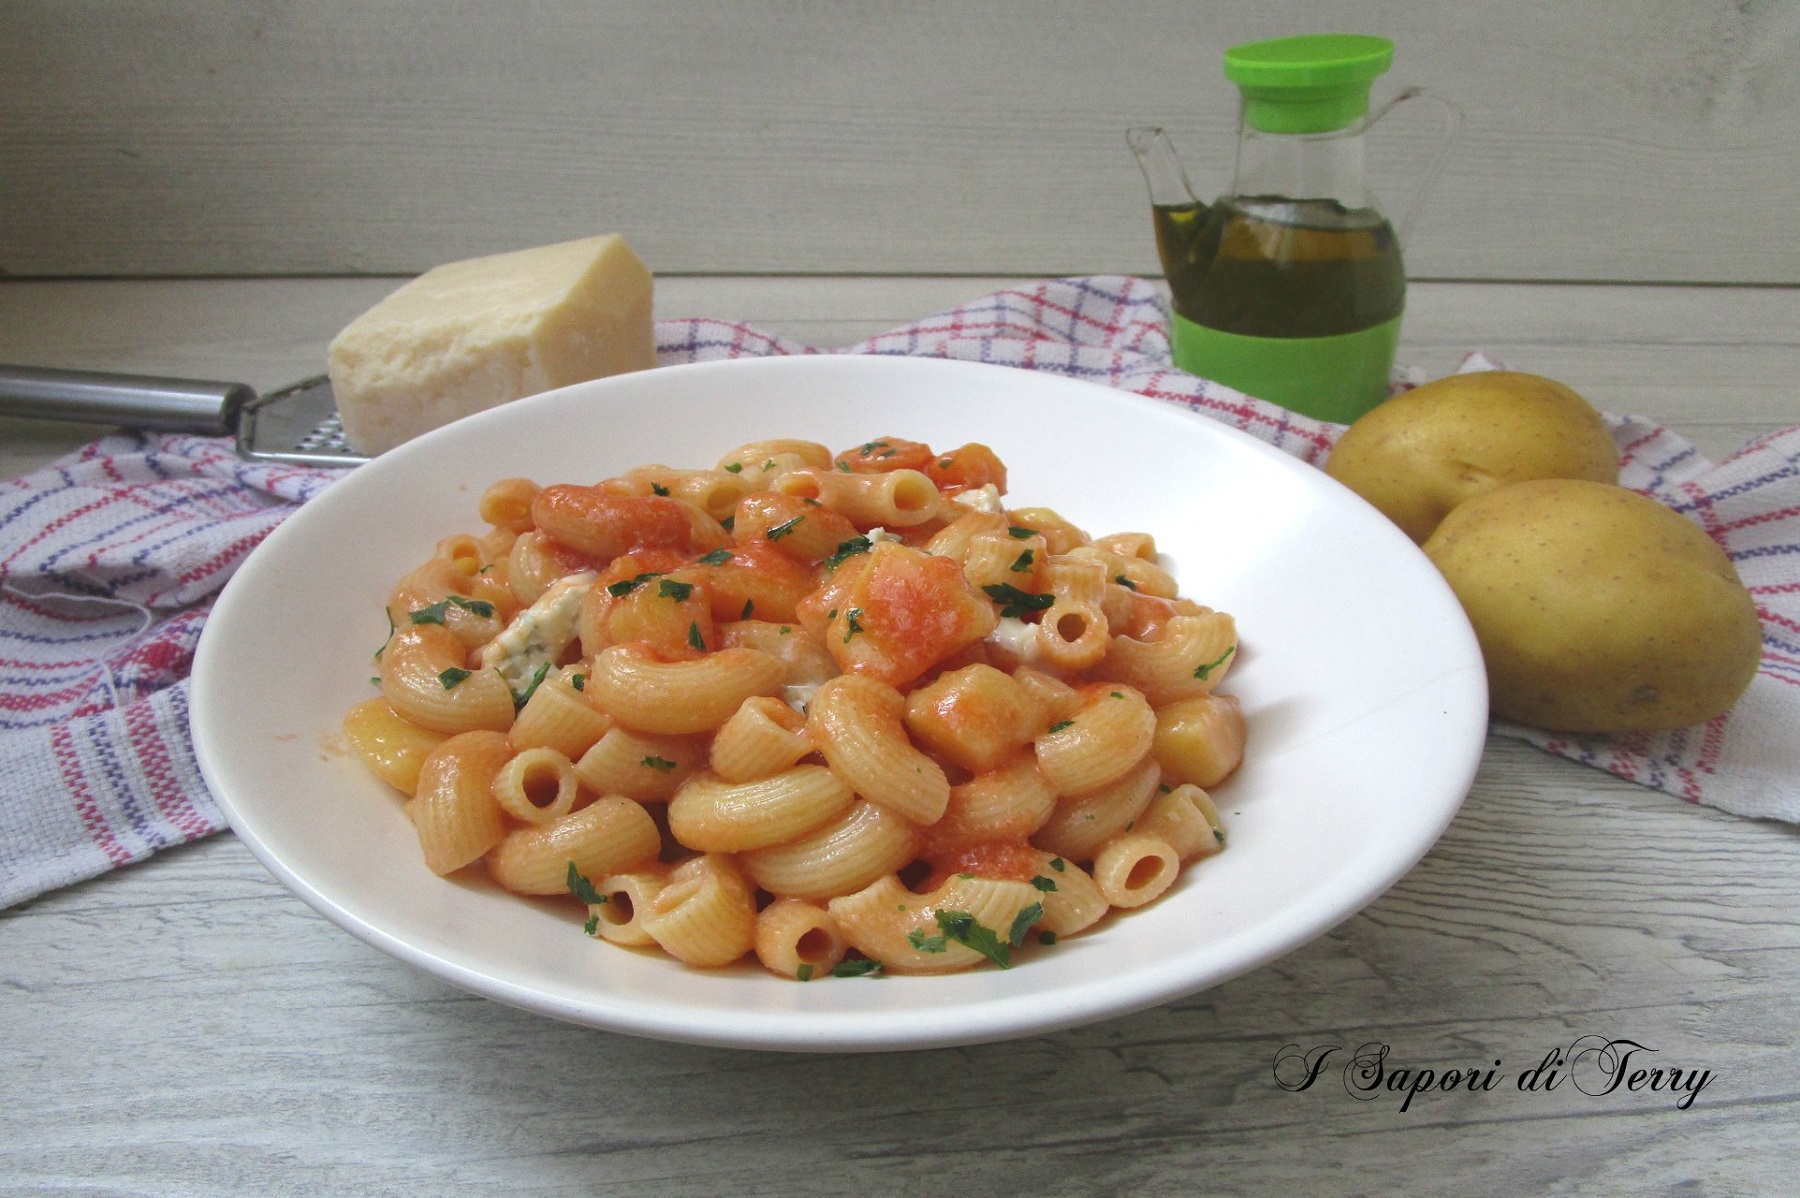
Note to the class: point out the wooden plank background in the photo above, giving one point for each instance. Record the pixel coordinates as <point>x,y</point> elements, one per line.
<point>1637,140</point>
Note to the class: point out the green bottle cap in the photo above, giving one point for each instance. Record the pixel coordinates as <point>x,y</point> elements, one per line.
<point>1316,83</point>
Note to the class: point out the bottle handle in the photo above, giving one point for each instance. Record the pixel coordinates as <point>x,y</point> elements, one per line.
<point>1453,119</point>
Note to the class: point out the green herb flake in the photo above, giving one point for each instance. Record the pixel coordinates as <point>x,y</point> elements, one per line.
<point>658,763</point>
<point>961,927</point>
<point>717,557</point>
<point>434,614</point>
<point>735,468</point>
<point>785,629</point>
<point>1125,582</point>
<point>694,637</point>
<point>578,681</point>
<point>581,888</point>
<point>749,606</point>
<point>592,926</point>
<point>783,529</point>
<point>729,523</point>
<point>768,465</point>
<point>1019,534</point>
<point>847,550</point>
<point>844,466</point>
<point>520,698</point>
<point>1058,864</point>
<point>926,944</point>
<point>944,463</point>
<point>860,968</point>
<point>668,588</point>
<point>1043,883</point>
<point>624,587</point>
<point>658,489</point>
<point>1022,923</point>
<point>1204,672</point>
<point>452,676</point>
<point>390,635</point>
<point>872,446</point>
<point>1022,563</point>
<point>1219,835</point>
<point>803,973</point>
<point>1016,602</point>
<point>1118,695</point>
<point>1059,726</point>
<point>1046,938</point>
<point>852,627</point>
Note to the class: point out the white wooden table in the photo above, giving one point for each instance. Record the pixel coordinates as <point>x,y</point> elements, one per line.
<point>187,1026</point>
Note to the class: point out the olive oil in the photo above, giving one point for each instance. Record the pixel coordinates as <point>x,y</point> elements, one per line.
<point>1267,266</point>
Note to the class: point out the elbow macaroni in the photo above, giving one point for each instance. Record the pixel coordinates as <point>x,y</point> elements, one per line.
<point>831,713</point>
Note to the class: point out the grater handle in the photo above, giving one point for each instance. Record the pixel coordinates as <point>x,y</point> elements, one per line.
<point>168,405</point>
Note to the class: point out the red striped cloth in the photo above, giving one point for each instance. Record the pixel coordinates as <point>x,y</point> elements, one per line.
<point>109,560</point>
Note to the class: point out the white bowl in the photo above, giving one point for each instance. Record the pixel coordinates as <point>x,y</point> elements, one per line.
<point>1359,676</point>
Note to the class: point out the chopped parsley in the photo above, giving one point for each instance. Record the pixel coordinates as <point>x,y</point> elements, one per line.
<point>1016,602</point>
<point>1022,923</point>
<point>452,676</point>
<point>1043,883</point>
<point>390,635</point>
<point>961,927</point>
<point>1118,694</point>
<point>783,529</point>
<point>1046,937</point>
<point>592,926</point>
<point>717,557</point>
<point>578,681</point>
<point>926,944</point>
<point>860,968</point>
<point>658,763</point>
<point>749,606</point>
<point>804,973</point>
<point>735,468</point>
<point>668,588</point>
<point>1219,835</point>
<point>1022,563</point>
<point>1058,864</point>
<point>434,613</point>
<point>944,463</point>
<point>520,698</point>
<point>844,466</point>
<point>658,489</point>
<point>1204,672</point>
<point>1125,582</point>
<point>1019,534</point>
<point>847,550</point>
<point>851,625</point>
<point>872,446</point>
<point>581,888</point>
<point>694,637</point>
<point>1060,725</point>
<point>768,465</point>
<point>624,587</point>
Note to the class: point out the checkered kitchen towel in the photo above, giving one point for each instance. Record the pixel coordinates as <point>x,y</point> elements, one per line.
<point>110,558</point>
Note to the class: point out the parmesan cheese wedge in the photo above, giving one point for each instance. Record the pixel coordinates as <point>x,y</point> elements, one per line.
<point>471,335</point>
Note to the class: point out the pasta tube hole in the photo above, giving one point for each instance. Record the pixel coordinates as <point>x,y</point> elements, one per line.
<point>618,909</point>
<point>815,945</point>
<point>914,494</point>
<point>1072,627</point>
<point>1144,873</point>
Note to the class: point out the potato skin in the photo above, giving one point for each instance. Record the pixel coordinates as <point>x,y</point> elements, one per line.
<point>1598,609</point>
<point>1420,454</point>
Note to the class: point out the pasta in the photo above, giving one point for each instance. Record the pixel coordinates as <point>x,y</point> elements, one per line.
<point>831,713</point>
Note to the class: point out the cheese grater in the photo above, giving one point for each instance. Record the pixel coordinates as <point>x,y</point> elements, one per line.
<point>297,424</point>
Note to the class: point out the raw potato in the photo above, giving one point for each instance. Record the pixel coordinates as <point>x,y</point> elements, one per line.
<point>1598,609</point>
<point>1420,454</point>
